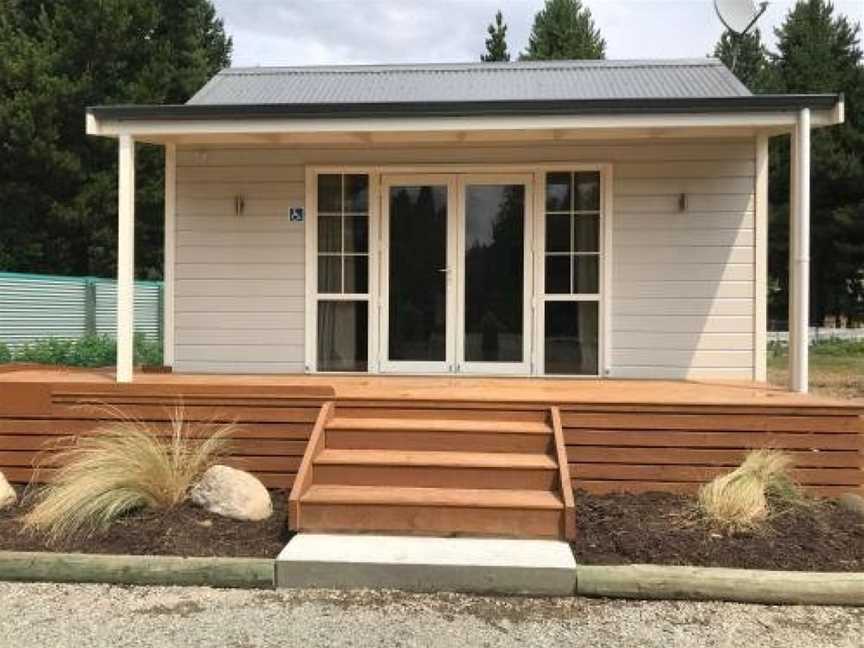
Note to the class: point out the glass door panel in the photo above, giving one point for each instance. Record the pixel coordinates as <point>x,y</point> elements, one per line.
<point>494,301</point>
<point>417,279</point>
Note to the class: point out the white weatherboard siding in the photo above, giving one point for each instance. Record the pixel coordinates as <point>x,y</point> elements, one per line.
<point>683,282</point>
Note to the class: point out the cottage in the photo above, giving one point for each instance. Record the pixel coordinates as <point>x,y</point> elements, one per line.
<point>437,275</point>
<point>566,218</point>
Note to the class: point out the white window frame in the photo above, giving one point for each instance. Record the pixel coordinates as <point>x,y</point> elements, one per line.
<point>603,298</point>
<point>311,271</point>
<point>538,298</point>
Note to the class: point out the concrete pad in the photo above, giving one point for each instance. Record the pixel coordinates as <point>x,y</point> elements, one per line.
<point>421,564</point>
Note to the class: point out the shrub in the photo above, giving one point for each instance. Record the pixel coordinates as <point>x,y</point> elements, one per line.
<point>123,466</point>
<point>5,353</point>
<point>92,351</point>
<point>52,351</point>
<point>86,351</point>
<point>148,350</point>
<point>739,500</point>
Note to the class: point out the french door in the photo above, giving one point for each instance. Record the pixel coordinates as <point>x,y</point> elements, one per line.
<point>455,273</point>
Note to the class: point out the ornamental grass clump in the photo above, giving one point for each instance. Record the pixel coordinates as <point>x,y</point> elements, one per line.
<point>124,466</point>
<point>741,500</point>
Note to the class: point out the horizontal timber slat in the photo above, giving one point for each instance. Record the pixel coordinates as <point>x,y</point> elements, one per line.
<point>632,486</point>
<point>685,439</point>
<point>67,427</point>
<point>689,456</point>
<point>717,422</point>
<point>808,476</point>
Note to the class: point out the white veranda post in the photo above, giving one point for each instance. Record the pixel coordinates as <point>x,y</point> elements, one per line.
<point>125,258</point>
<point>799,254</point>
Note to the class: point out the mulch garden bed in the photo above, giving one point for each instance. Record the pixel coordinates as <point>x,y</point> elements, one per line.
<point>186,530</point>
<point>659,528</point>
<point>664,529</point>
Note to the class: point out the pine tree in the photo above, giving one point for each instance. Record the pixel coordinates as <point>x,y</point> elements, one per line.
<point>819,51</point>
<point>58,205</point>
<point>746,56</point>
<point>496,44</point>
<point>564,29</point>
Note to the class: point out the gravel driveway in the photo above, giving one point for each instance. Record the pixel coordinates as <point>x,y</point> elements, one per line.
<point>106,616</point>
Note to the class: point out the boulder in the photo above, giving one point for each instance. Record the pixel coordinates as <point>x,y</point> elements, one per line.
<point>232,493</point>
<point>852,502</point>
<point>7,493</point>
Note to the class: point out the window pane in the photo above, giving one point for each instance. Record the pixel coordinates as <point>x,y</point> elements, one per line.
<point>586,232</point>
<point>329,233</point>
<point>356,233</point>
<point>586,278</point>
<point>558,232</point>
<point>356,193</point>
<point>571,338</point>
<point>494,254</point>
<point>558,191</point>
<point>418,287</point>
<point>356,274</point>
<point>330,193</point>
<point>342,335</point>
<point>329,274</point>
<point>557,274</point>
<point>587,191</point>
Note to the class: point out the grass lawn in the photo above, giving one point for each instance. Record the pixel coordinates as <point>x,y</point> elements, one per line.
<point>836,368</point>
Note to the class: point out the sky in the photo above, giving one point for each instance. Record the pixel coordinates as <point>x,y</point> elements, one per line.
<point>327,32</point>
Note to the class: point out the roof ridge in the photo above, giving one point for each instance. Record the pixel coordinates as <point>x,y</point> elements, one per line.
<point>568,64</point>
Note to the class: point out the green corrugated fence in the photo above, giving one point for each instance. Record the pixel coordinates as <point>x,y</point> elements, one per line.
<point>35,307</point>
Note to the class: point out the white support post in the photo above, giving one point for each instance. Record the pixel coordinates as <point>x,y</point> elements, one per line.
<point>799,255</point>
<point>170,255</point>
<point>125,257</point>
<point>760,282</point>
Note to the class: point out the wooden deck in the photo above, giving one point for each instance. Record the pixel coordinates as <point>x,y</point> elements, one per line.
<point>468,389</point>
<point>452,455</point>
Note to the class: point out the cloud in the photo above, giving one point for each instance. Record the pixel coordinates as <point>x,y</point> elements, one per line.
<point>325,32</point>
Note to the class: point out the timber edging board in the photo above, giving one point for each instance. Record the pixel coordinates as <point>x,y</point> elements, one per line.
<point>720,584</point>
<point>33,566</point>
<point>610,581</point>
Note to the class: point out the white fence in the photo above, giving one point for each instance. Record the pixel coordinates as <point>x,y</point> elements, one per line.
<point>818,333</point>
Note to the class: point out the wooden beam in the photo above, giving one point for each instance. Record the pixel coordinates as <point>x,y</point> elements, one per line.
<point>564,476</point>
<point>304,472</point>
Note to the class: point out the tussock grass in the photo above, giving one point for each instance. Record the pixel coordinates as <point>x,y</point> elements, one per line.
<point>122,467</point>
<point>740,500</point>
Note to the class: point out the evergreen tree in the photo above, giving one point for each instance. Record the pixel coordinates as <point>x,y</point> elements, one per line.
<point>496,44</point>
<point>819,51</point>
<point>746,57</point>
<point>564,29</point>
<point>58,186</point>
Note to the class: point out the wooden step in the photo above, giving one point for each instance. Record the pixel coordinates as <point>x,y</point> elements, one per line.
<point>400,424</point>
<point>439,511</point>
<point>439,441</point>
<point>455,497</point>
<point>508,460</point>
<point>436,469</point>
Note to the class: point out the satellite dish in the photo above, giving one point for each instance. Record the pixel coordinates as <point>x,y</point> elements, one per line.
<point>738,16</point>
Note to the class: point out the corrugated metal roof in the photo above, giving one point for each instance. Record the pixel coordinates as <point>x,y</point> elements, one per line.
<point>521,81</point>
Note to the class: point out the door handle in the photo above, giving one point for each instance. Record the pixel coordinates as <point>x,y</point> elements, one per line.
<point>443,269</point>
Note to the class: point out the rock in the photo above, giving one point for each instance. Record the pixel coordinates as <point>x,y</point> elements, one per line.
<point>232,493</point>
<point>7,493</point>
<point>852,502</point>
